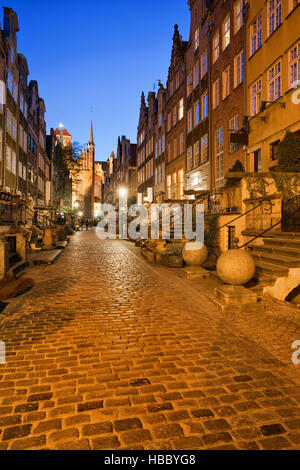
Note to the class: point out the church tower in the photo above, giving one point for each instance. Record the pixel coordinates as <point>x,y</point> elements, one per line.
<point>89,177</point>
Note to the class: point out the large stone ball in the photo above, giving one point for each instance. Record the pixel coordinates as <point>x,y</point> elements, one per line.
<point>195,253</point>
<point>236,267</point>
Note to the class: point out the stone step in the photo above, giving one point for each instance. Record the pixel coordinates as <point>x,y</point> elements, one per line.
<point>278,260</point>
<point>270,269</point>
<point>281,241</point>
<point>280,250</point>
<point>44,257</point>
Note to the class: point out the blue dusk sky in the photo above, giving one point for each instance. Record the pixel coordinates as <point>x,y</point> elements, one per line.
<point>97,55</point>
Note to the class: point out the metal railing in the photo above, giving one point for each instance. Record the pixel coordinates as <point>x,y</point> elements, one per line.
<point>241,215</point>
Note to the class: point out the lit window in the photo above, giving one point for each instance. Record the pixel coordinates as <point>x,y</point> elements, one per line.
<point>219,157</point>
<point>274,15</point>
<point>238,15</point>
<point>256,97</point>
<point>294,65</point>
<point>256,34</point>
<point>239,69</point>
<point>216,46</point>
<point>181,110</point>
<point>181,183</point>
<point>216,94</point>
<point>274,82</point>
<point>226,82</point>
<point>293,4</point>
<point>226,32</point>
<point>196,39</point>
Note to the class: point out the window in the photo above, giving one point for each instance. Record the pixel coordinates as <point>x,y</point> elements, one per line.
<point>159,147</point>
<point>204,105</point>
<point>8,121</point>
<point>175,115</point>
<point>219,157</point>
<point>163,143</point>
<point>175,148</point>
<point>226,82</point>
<point>204,64</point>
<point>177,78</point>
<point>21,103</point>
<point>216,94</point>
<point>196,75</point>
<point>196,154</point>
<point>169,152</point>
<point>189,161</point>
<point>274,15</point>
<point>190,120</point>
<point>274,150</point>
<point>20,170</point>
<point>9,81</point>
<point>294,65</point>
<point>171,87</point>
<point>14,128</point>
<point>190,84</point>
<point>156,150</point>
<point>256,34</point>
<point>226,32</point>
<point>196,39</point>
<point>13,162</point>
<point>181,183</point>
<point>181,110</point>
<point>239,69</point>
<point>25,110</point>
<point>216,47</point>
<point>257,161</point>
<point>256,97</point>
<point>238,15</point>
<point>274,82</point>
<point>204,148</point>
<point>234,126</point>
<point>15,91</point>
<point>293,4</point>
<point>8,158</point>
<point>197,114</point>
<point>12,55</point>
<point>169,121</point>
<point>160,120</point>
<point>181,143</point>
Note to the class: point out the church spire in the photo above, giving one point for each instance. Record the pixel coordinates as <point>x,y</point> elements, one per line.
<point>91,138</point>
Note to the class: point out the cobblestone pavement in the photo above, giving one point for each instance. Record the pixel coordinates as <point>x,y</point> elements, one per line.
<point>108,352</point>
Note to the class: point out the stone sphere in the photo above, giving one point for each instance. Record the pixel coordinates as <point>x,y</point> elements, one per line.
<point>195,253</point>
<point>236,267</point>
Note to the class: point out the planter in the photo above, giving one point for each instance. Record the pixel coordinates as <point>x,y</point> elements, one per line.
<point>175,261</point>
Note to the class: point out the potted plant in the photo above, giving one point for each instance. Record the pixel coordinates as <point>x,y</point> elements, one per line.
<point>172,256</point>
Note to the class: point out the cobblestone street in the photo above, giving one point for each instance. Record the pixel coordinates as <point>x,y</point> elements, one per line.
<point>108,352</point>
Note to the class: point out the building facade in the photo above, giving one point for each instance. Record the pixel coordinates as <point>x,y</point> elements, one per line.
<point>25,167</point>
<point>273,75</point>
<point>175,123</point>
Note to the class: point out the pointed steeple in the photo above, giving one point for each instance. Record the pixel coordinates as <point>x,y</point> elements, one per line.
<point>91,138</point>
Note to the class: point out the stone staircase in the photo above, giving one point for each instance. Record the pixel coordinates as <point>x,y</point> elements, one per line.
<point>277,264</point>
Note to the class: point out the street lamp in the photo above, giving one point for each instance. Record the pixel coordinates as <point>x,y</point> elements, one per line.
<point>76,205</point>
<point>80,214</point>
<point>123,192</point>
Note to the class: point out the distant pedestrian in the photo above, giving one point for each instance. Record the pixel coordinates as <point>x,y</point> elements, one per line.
<point>87,224</point>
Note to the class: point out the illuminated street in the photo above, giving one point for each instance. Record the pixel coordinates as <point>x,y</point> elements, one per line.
<point>109,352</point>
